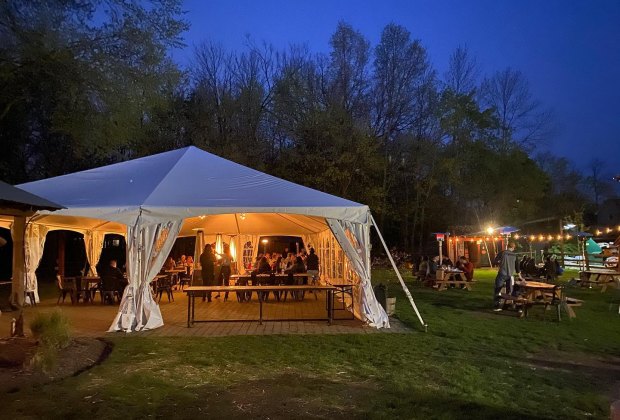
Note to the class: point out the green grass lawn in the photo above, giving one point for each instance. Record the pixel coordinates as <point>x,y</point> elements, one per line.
<point>472,363</point>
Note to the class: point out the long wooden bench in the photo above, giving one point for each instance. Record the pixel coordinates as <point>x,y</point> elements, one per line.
<point>194,291</point>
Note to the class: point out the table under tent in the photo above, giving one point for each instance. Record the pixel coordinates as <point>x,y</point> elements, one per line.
<point>155,199</point>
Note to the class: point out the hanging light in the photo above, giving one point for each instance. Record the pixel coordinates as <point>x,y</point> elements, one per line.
<point>242,216</point>
<point>541,238</point>
<point>532,238</point>
<point>598,232</point>
<point>517,236</point>
<point>567,237</point>
<point>607,230</point>
<point>559,237</point>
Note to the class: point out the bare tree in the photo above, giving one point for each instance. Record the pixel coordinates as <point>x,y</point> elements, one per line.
<point>596,184</point>
<point>463,72</point>
<point>522,121</point>
<point>402,74</point>
<point>347,69</point>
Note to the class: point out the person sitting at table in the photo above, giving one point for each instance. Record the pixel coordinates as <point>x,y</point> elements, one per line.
<point>433,265</point>
<point>263,266</point>
<point>182,262</point>
<point>423,268</point>
<point>190,265</point>
<point>207,262</point>
<point>467,268</point>
<point>298,268</point>
<point>257,261</point>
<point>114,278</point>
<point>446,262</point>
<point>169,264</point>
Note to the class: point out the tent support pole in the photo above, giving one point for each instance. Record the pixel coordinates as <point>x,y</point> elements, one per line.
<point>400,278</point>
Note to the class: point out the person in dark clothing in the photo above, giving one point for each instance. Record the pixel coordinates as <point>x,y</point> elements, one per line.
<point>508,266</point>
<point>263,266</point>
<point>297,268</point>
<point>312,266</point>
<point>114,279</point>
<point>207,263</point>
<point>432,266</point>
<point>467,268</point>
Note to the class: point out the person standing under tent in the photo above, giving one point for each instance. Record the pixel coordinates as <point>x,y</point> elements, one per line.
<point>312,266</point>
<point>225,270</point>
<point>508,266</point>
<point>207,261</point>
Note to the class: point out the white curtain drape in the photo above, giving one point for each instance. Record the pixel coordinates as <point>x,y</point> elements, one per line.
<point>359,256</point>
<point>147,249</point>
<point>93,240</point>
<point>34,243</point>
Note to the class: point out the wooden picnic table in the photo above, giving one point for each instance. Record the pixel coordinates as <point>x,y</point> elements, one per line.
<point>445,278</point>
<point>532,292</point>
<point>194,291</point>
<point>599,277</point>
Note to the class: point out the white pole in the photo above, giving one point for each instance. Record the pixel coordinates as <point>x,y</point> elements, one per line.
<point>402,282</point>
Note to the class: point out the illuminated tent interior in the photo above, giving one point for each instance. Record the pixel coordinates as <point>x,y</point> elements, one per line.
<point>155,199</point>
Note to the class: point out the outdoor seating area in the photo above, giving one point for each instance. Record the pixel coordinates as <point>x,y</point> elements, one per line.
<point>602,278</point>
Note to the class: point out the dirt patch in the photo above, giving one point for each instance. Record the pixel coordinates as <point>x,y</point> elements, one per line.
<point>285,396</point>
<point>603,371</point>
<point>16,353</point>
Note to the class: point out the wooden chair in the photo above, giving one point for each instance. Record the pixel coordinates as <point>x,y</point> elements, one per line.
<point>64,288</point>
<point>108,290</point>
<point>164,285</point>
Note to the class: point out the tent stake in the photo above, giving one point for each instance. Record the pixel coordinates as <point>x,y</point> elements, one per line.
<point>402,282</point>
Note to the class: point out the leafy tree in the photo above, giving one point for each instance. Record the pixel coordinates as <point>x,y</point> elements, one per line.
<point>77,88</point>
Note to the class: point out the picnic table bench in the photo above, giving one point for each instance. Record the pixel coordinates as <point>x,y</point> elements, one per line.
<point>194,291</point>
<point>599,278</point>
<point>531,293</point>
<point>447,278</point>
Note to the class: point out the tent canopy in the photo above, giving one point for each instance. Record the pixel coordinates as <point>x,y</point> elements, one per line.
<point>187,183</point>
<point>178,193</point>
<point>14,198</point>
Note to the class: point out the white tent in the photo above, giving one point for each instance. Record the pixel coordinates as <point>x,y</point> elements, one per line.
<point>155,199</point>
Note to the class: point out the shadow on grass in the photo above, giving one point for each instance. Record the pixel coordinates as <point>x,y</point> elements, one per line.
<point>287,396</point>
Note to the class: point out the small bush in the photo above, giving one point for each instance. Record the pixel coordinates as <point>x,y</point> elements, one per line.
<point>53,332</point>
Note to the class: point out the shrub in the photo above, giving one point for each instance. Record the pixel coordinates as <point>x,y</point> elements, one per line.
<point>53,332</point>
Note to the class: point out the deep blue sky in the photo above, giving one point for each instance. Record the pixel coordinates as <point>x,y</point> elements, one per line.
<point>569,50</point>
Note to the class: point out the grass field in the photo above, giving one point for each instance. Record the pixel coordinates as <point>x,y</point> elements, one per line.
<point>472,363</point>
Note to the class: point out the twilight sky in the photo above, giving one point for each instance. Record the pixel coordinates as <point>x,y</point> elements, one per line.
<point>569,50</point>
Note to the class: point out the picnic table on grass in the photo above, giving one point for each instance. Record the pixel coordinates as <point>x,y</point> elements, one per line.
<point>599,278</point>
<point>194,291</point>
<point>453,277</point>
<point>531,292</point>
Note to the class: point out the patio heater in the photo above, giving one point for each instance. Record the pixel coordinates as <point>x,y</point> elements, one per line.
<point>440,237</point>
<point>264,241</point>
<point>233,251</point>
<point>219,245</point>
<point>198,247</point>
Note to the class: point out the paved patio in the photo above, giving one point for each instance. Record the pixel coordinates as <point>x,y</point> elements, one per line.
<point>93,320</point>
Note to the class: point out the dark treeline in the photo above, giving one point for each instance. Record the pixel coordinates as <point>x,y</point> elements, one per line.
<point>87,83</point>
